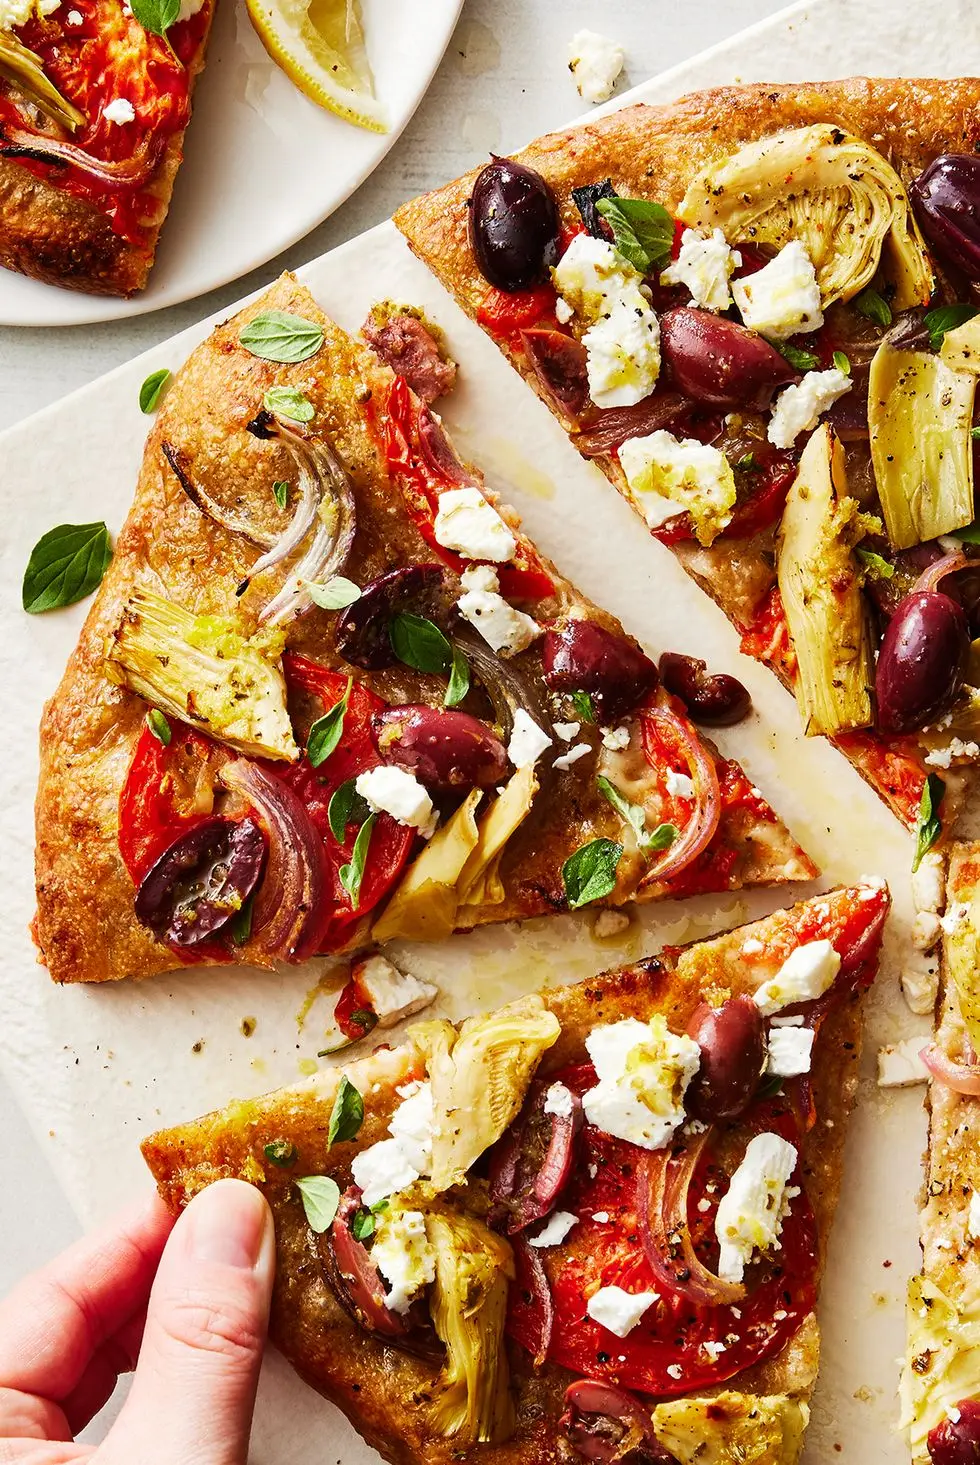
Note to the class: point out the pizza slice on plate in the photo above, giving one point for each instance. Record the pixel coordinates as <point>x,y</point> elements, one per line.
<point>617,1254</point>
<point>327,689</point>
<point>753,310</point>
<point>93,108</point>
<point>941,1382</point>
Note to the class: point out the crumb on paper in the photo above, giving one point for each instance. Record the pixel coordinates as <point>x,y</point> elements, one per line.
<point>900,1065</point>
<point>198,1047</point>
<point>248,1026</point>
<point>610,923</point>
<point>595,62</point>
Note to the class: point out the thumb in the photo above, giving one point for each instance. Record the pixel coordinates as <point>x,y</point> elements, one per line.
<point>194,1391</point>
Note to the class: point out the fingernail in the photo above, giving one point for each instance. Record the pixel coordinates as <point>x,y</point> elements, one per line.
<point>226,1224</point>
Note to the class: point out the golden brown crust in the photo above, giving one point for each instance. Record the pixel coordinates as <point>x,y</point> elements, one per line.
<point>374,1385</point>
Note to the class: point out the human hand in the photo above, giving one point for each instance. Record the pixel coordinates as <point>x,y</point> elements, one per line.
<point>189,1301</point>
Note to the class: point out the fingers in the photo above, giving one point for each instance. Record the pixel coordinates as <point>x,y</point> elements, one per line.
<point>194,1390</point>
<point>56,1320</point>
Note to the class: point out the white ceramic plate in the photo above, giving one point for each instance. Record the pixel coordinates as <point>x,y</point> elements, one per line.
<point>263,165</point>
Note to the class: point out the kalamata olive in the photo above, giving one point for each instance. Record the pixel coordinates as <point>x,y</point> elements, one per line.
<point>719,362</point>
<point>717,700</point>
<point>444,748</point>
<point>921,661</point>
<point>581,656</point>
<point>514,225</point>
<point>946,202</point>
<point>733,1054</point>
<point>202,881</point>
<point>362,629</point>
<point>957,1441</point>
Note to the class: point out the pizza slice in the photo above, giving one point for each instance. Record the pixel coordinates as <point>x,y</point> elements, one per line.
<point>93,108</point>
<point>748,309</point>
<point>941,1381</point>
<point>618,1254</point>
<point>328,692</point>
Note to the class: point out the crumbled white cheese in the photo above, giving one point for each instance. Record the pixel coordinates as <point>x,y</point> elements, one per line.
<point>643,1070</point>
<point>527,740</point>
<point>501,626</point>
<point>668,476</point>
<point>956,748</point>
<point>900,1065</point>
<point>955,915</point>
<point>616,738</point>
<point>555,1229</point>
<point>188,8</point>
<point>806,974</point>
<point>595,62</point>
<point>563,311</point>
<point>752,947</point>
<point>973,1218</point>
<point>920,983</point>
<point>74,17</point>
<point>675,1370</point>
<point>619,1311</point>
<point>929,883</point>
<point>705,265</point>
<point>610,923</point>
<point>471,526</point>
<point>783,298</point>
<point>391,993</point>
<point>926,930</point>
<point>602,1217</point>
<point>679,785</point>
<point>567,730</point>
<point>573,755</point>
<point>392,1165</point>
<point>398,793</point>
<point>404,1256</point>
<point>750,1213</point>
<point>790,1050</point>
<point>800,407</point>
<point>623,342</point>
<point>19,12</point>
<point>558,1101</point>
<point>119,111</point>
<point>713,1350</point>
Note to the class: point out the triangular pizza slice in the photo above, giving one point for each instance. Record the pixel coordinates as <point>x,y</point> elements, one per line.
<point>752,309</point>
<point>328,693</point>
<point>590,1226</point>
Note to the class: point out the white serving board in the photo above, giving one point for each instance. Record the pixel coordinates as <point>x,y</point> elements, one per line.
<point>97,1068</point>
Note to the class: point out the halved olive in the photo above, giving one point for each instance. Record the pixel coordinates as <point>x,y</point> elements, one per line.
<point>733,1055</point>
<point>202,881</point>
<point>363,637</point>
<point>921,661</point>
<point>582,656</point>
<point>446,749</point>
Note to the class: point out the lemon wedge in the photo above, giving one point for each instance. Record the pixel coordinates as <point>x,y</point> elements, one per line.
<point>320,46</point>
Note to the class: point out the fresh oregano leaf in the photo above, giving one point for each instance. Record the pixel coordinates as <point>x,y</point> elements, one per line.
<point>327,731</point>
<point>643,232</point>
<point>280,492</point>
<point>159,726</point>
<point>842,362</point>
<point>584,706</point>
<point>321,1197</point>
<point>946,318</point>
<point>351,875</point>
<point>459,679</point>
<point>928,827</point>
<point>657,839</point>
<point>334,594</point>
<point>281,1152</point>
<point>877,565</point>
<point>346,807</point>
<point>874,306</point>
<point>276,335</point>
<point>152,387</point>
<point>419,643</point>
<point>156,16</point>
<point>362,1226</point>
<point>590,873</point>
<point>347,1114</point>
<point>288,402</point>
<point>66,564</point>
<point>798,359</point>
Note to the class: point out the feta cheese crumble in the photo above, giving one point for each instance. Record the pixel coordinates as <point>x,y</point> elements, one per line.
<point>679,785</point>
<point>619,1311</point>
<point>622,343</point>
<point>783,298</point>
<point>119,111</point>
<point>471,526</point>
<point>392,1165</point>
<point>595,62</point>
<point>527,740</point>
<point>929,883</point>
<point>705,265</point>
<point>956,748</point>
<point>900,1065</point>
<point>398,793</point>
<point>800,407</point>
<point>668,476</point>
<point>501,626</point>
<point>610,923</point>
<point>790,1050</point>
<point>404,1256</point>
<point>973,1218</point>
<point>567,730</point>
<point>573,755</point>
<point>806,974</point>
<point>555,1229</point>
<point>643,1071</point>
<point>750,1213</point>
<point>74,17</point>
<point>19,12</point>
<point>558,1101</point>
<point>616,738</point>
<point>391,993</point>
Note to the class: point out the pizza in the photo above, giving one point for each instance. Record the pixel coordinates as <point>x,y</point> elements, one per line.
<point>618,1254</point>
<point>93,108</point>
<point>940,1389</point>
<point>330,694</point>
<point>753,309</point>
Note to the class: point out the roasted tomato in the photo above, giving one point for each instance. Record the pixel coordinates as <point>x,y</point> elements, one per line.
<point>167,793</point>
<point>892,765</point>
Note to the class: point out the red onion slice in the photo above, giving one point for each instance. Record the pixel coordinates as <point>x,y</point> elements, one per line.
<point>703,824</point>
<point>332,541</point>
<point>310,495</point>
<point>933,575</point>
<point>438,453</point>
<point>353,1276</point>
<point>962,1078</point>
<point>524,1188</point>
<point>614,425</point>
<point>126,175</point>
<point>531,1273</point>
<point>662,1184</point>
<point>289,904</point>
<point>202,500</point>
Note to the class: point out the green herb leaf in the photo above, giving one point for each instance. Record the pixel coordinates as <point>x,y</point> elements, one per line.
<point>658,839</point>
<point>583,704</point>
<point>929,826</point>
<point>842,363</point>
<point>643,232</point>
<point>878,566</point>
<point>327,731</point>
<point>420,644</point>
<point>346,807</point>
<point>771,1085</point>
<point>275,335</point>
<point>749,463</point>
<point>365,1019</point>
<point>156,16</point>
<point>281,1152</point>
<point>869,303</point>
<point>240,924</point>
<point>459,679</point>
<point>288,402</point>
<point>969,535</point>
<point>152,387</point>
<point>379,1206</point>
<point>334,594</point>
<point>946,318</point>
<point>280,492</point>
<point>798,359</point>
<point>590,873</point>
<point>159,726</point>
<point>351,875</point>
<point>347,1114</point>
<point>321,1197</point>
<point>975,434</point>
<point>65,565</point>
<point>362,1226</point>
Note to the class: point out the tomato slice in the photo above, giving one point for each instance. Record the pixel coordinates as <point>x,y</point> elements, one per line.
<point>155,803</point>
<point>665,1353</point>
<point>505,313</point>
<point>893,765</point>
<point>767,638</point>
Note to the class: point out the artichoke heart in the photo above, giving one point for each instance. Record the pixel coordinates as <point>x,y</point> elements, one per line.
<point>732,1429</point>
<point>820,585</point>
<point>23,68</point>
<point>205,672</point>
<point>424,904</point>
<point>830,190</point>
<point>919,415</point>
<point>472,1402</point>
<point>942,1365</point>
<point>962,951</point>
<point>961,347</point>
<point>479,1079</point>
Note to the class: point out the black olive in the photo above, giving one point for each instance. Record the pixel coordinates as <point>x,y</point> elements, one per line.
<point>514,225</point>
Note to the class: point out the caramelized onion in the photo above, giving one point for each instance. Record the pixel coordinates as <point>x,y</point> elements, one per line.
<point>560,371</point>
<point>528,1191</point>
<point>663,1181</point>
<point>962,1078</point>
<point>438,452</point>
<point>202,500</point>
<point>701,827</point>
<point>126,175</point>
<point>505,685</point>
<point>614,425</point>
<point>933,575</point>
